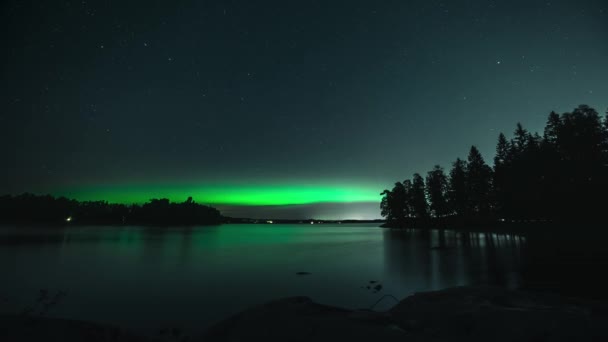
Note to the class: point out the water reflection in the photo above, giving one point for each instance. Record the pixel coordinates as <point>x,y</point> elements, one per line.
<point>568,262</point>
<point>440,258</point>
<point>194,276</point>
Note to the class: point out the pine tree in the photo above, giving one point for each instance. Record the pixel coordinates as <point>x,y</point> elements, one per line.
<point>502,166</point>
<point>409,202</point>
<point>552,129</point>
<point>436,189</point>
<point>503,151</point>
<point>419,204</point>
<point>457,195</point>
<point>478,184</point>
<point>520,141</point>
<point>399,205</point>
<point>386,206</point>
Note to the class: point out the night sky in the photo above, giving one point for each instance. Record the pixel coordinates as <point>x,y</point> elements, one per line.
<point>279,108</point>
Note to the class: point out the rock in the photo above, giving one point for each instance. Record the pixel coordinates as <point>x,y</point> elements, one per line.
<point>25,329</point>
<point>300,319</point>
<point>494,314</point>
<point>303,273</point>
<point>460,314</point>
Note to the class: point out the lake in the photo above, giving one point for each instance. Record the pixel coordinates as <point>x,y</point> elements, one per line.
<point>145,278</point>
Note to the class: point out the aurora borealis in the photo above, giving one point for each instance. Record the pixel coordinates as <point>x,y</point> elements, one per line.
<point>229,194</point>
<point>282,108</point>
<point>280,201</point>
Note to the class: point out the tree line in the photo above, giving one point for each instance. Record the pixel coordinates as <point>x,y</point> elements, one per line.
<point>46,209</point>
<point>561,176</point>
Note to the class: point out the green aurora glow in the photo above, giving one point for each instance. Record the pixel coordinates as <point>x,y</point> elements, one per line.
<point>253,195</point>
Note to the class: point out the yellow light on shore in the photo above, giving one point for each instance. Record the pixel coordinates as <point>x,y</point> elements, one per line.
<point>68,219</point>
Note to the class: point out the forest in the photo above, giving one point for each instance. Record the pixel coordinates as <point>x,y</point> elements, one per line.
<point>32,209</point>
<point>559,177</point>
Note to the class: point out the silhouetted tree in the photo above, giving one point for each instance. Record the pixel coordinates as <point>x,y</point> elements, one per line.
<point>418,197</point>
<point>552,129</point>
<point>478,184</point>
<point>559,176</point>
<point>436,189</point>
<point>521,139</point>
<point>46,209</point>
<point>388,207</point>
<point>408,191</point>
<point>548,162</point>
<point>606,138</point>
<point>457,190</point>
<point>503,151</point>
<point>521,172</point>
<point>502,164</point>
<point>580,145</point>
<point>606,124</point>
<point>397,200</point>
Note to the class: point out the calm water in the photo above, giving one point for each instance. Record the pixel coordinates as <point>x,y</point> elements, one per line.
<point>140,277</point>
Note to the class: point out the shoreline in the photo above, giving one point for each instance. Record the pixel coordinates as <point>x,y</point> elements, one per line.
<point>455,314</point>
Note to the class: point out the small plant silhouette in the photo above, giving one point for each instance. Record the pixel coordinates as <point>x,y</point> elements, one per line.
<point>44,303</point>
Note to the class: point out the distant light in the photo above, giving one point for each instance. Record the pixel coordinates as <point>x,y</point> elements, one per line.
<point>269,222</point>
<point>312,222</point>
<point>68,219</point>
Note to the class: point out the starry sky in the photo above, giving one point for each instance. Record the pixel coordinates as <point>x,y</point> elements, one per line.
<point>285,109</point>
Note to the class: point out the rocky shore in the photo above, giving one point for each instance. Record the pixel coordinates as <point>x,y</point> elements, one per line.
<point>19,328</point>
<point>456,314</point>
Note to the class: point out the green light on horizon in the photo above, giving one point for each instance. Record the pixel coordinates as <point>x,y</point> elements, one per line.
<point>228,194</point>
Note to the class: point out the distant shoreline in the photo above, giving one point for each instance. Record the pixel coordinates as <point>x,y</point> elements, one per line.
<point>298,221</point>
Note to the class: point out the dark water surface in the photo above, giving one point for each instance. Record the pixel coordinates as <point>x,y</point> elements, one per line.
<point>145,278</point>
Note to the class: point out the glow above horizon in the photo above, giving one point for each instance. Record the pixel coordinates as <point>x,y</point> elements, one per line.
<point>227,194</point>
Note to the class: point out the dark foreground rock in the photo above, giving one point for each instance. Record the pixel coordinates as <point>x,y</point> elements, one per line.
<point>36,329</point>
<point>300,319</point>
<point>491,314</point>
<point>458,314</point>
